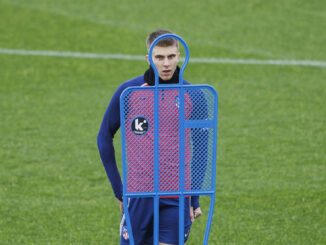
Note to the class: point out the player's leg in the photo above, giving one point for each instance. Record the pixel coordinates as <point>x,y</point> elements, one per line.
<point>169,223</point>
<point>141,218</point>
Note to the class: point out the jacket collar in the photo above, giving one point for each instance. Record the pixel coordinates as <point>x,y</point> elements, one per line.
<point>149,77</point>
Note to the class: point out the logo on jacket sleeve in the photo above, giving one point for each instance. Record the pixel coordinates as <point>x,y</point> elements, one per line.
<point>125,234</point>
<point>139,125</point>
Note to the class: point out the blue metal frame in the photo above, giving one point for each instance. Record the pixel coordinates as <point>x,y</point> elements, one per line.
<point>183,124</point>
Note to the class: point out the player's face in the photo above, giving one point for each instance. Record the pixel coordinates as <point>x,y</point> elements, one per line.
<point>165,59</point>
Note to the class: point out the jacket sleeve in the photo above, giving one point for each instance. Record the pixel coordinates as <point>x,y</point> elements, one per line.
<point>110,125</point>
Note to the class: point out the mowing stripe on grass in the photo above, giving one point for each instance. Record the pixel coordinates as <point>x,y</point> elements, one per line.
<point>142,58</point>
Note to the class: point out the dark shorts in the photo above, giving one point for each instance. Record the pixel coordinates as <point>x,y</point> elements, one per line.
<point>141,211</point>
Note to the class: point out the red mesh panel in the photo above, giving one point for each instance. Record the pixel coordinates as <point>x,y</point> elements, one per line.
<point>140,147</point>
<point>169,146</point>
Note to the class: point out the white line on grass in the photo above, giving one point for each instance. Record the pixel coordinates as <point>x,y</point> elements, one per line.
<point>142,58</point>
<point>71,54</point>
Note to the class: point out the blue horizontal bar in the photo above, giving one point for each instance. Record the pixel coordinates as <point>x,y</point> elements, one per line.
<point>170,194</point>
<point>199,124</point>
<point>172,85</point>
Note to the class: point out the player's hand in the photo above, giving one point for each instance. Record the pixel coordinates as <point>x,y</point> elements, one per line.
<point>195,213</point>
<point>121,205</point>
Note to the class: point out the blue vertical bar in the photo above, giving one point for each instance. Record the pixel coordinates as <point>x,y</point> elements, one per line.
<point>181,219</point>
<point>215,134</point>
<point>156,219</point>
<point>181,163</point>
<point>156,158</point>
<point>156,162</point>
<point>209,219</point>
<point>126,212</point>
<point>124,167</point>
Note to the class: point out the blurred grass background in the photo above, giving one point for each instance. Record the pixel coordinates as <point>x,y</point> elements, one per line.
<point>271,175</point>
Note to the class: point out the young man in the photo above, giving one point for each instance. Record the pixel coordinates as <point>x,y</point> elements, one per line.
<point>165,57</point>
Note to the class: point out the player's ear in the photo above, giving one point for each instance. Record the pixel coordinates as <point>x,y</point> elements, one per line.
<point>178,56</point>
<point>147,59</point>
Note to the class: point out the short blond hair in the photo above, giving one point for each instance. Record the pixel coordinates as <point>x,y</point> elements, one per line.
<point>166,42</point>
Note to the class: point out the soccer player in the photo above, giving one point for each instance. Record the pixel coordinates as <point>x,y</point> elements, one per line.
<point>165,56</point>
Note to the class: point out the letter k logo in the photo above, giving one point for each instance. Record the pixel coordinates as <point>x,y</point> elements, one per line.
<point>138,125</point>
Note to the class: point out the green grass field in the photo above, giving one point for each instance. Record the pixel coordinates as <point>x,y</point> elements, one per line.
<point>271,174</point>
